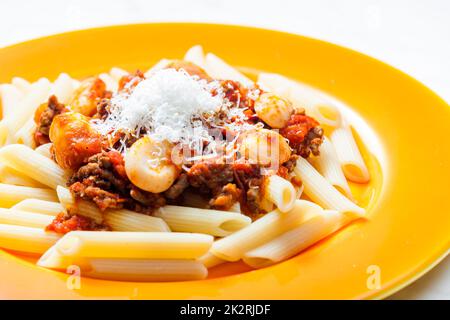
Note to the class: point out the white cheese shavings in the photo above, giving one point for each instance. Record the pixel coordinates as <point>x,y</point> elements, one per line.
<point>174,106</point>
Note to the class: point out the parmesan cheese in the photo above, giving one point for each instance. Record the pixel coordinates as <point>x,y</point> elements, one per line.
<point>174,106</point>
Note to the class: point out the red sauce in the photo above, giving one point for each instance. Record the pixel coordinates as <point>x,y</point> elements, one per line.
<point>132,79</point>
<point>297,128</point>
<point>64,224</point>
<point>118,163</point>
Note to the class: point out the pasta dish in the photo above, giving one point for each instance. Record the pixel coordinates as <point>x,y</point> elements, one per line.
<point>164,174</point>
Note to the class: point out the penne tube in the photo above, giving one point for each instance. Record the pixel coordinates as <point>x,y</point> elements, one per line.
<point>146,270</point>
<point>315,103</point>
<point>210,261</point>
<point>328,165</point>
<point>349,156</point>
<point>39,206</point>
<point>135,245</point>
<point>195,55</point>
<point>34,165</point>
<point>24,218</point>
<point>10,97</point>
<point>25,135</point>
<point>117,220</point>
<point>11,194</point>
<point>233,247</point>
<point>319,190</point>
<point>52,259</point>
<point>219,69</point>
<point>117,73</point>
<point>10,175</point>
<point>126,220</point>
<point>20,83</point>
<point>63,88</point>
<point>213,222</point>
<point>38,94</point>
<point>26,239</point>
<point>45,150</point>
<point>296,240</point>
<point>280,192</point>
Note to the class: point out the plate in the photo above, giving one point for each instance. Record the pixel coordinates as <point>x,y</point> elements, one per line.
<point>405,126</point>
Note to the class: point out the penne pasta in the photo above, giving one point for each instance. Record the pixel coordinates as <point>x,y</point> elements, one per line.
<point>233,247</point>
<point>210,261</point>
<point>126,220</point>
<point>11,194</point>
<point>33,164</point>
<point>280,192</point>
<point>118,220</point>
<point>318,189</point>
<point>146,270</point>
<point>328,165</point>
<point>39,206</point>
<point>302,96</point>
<point>25,135</point>
<point>135,245</point>
<point>10,175</point>
<point>296,240</point>
<point>213,222</point>
<point>195,55</point>
<point>45,150</point>
<point>25,110</point>
<point>349,156</point>
<point>217,68</point>
<point>52,259</point>
<point>20,83</point>
<point>24,218</point>
<point>11,97</point>
<point>63,88</point>
<point>26,239</point>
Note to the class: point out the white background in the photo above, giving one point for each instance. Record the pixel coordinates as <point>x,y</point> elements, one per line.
<point>413,36</point>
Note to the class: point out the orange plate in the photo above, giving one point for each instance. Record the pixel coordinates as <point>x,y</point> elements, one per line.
<point>409,227</point>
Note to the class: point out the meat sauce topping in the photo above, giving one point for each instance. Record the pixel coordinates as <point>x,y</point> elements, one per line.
<point>99,170</point>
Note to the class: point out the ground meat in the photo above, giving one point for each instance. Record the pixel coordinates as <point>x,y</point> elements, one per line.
<point>103,180</point>
<point>304,134</point>
<point>64,223</point>
<point>210,177</point>
<point>175,191</point>
<point>44,117</point>
<point>226,197</point>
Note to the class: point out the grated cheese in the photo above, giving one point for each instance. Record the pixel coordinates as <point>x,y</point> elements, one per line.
<point>174,106</point>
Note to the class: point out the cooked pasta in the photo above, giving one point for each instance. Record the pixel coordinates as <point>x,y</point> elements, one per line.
<point>33,164</point>
<point>136,245</point>
<point>280,192</point>
<point>11,194</point>
<point>213,222</point>
<point>233,247</point>
<point>322,192</point>
<point>164,174</point>
<point>26,239</point>
<point>39,206</point>
<point>24,218</point>
<point>327,163</point>
<point>349,156</point>
<point>295,240</point>
<point>147,270</point>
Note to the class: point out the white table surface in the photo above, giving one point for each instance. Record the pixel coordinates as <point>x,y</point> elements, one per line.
<point>413,36</point>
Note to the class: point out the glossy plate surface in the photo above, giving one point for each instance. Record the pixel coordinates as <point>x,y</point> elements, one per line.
<point>408,201</point>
